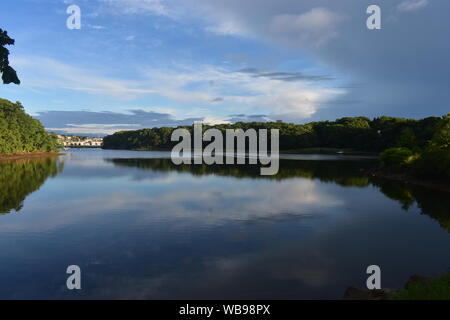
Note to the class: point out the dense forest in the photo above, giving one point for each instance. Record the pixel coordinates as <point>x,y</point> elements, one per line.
<point>430,159</point>
<point>19,132</point>
<point>423,146</point>
<point>356,133</point>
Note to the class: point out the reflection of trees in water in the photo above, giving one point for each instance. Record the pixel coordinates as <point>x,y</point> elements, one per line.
<point>344,173</point>
<point>435,204</point>
<point>395,191</point>
<point>20,178</point>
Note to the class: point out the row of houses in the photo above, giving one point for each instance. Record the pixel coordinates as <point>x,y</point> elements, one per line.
<point>80,141</point>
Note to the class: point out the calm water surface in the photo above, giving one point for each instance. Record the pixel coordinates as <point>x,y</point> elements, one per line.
<point>141,227</point>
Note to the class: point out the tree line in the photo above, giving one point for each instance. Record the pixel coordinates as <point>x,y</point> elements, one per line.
<point>19,132</point>
<point>352,133</point>
<point>431,159</point>
<point>422,146</point>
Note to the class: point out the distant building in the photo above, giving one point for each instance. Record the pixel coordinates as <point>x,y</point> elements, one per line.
<point>80,141</point>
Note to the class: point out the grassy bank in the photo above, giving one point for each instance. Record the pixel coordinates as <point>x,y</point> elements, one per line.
<point>417,288</point>
<point>425,289</point>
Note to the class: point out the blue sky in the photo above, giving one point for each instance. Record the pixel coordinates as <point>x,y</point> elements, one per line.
<point>145,63</point>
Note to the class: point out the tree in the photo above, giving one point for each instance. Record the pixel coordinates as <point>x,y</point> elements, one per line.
<point>9,75</point>
<point>407,139</point>
<point>19,132</point>
<point>397,156</point>
<point>442,137</point>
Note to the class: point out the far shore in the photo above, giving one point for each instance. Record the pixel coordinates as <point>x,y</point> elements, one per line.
<point>328,151</point>
<point>407,177</point>
<point>28,155</point>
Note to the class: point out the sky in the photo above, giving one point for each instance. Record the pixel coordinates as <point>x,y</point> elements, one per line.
<point>145,63</point>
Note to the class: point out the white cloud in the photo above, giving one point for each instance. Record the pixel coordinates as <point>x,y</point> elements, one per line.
<point>412,5</point>
<point>195,90</point>
<point>155,7</point>
<point>64,76</point>
<point>100,129</point>
<point>97,27</point>
<point>316,18</point>
<point>214,121</point>
<point>229,27</point>
<point>240,92</point>
<point>316,26</point>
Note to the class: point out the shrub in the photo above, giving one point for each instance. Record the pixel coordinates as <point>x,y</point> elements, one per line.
<point>435,289</point>
<point>397,157</point>
<point>435,161</point>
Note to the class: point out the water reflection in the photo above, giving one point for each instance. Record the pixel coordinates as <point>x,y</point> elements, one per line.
<point>20,178</point>
<point>343,173</point>
<point>145,228</point>
<point>433,203</point>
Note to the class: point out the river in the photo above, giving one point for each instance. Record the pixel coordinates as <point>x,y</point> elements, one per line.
<point>140,227</point>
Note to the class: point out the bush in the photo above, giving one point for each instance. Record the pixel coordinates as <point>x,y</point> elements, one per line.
<point>434,161</point>
<point>435,289</point>
<point>397,157</point>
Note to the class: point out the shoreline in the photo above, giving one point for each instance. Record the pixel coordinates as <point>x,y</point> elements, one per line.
<point>406,177</point>
<point>28,155</point>
<point>326,151</point>
<point>402,176</point>
<point>417,287</point>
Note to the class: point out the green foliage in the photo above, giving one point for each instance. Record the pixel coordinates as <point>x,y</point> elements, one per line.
<point>19,132</point>
<point>441,138</point>
<point>435,289</point>
<point>352,133</point>
<point>397,156</point>
<point>9,75</point>
<point>421,145</point>
<point>407,139</point>
<point>435,159</point>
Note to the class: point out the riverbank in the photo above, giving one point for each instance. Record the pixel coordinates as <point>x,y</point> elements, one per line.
<point>417,288</point>
<point>407,176</point>
<point>28,155</point>
<point>327,151</point>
